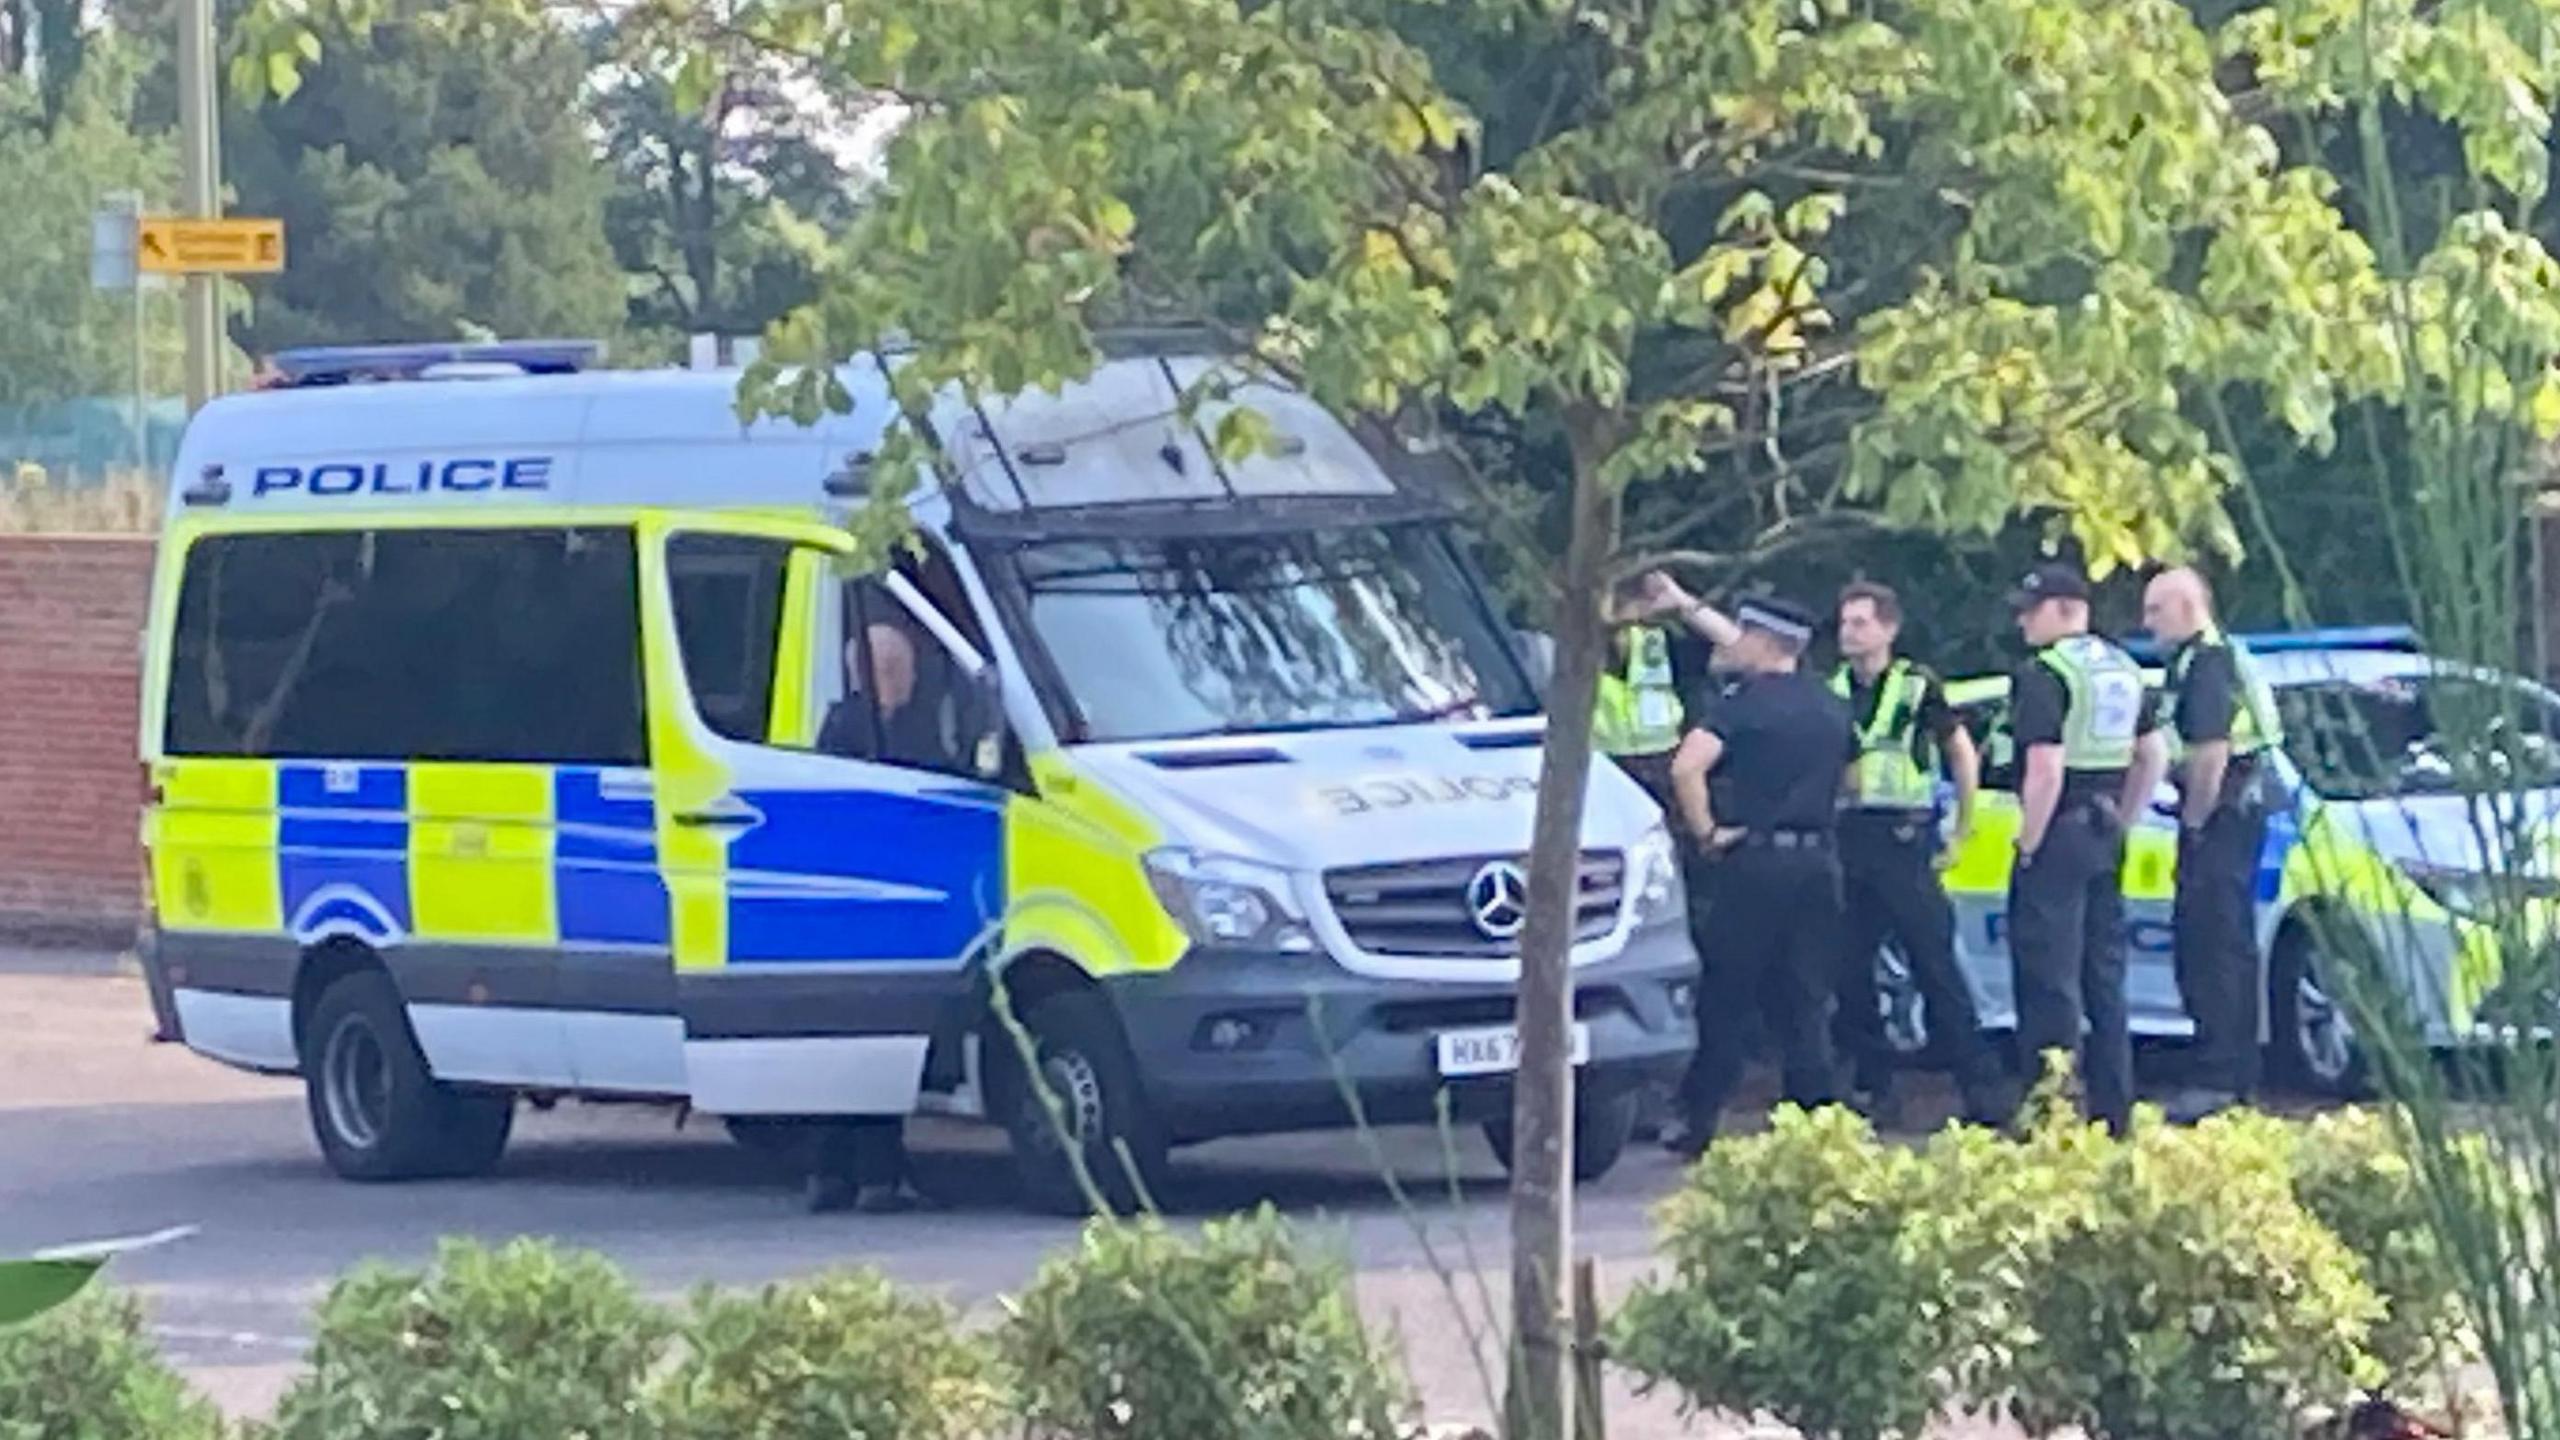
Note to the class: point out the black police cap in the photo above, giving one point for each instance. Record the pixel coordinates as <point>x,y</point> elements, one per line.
<point>2049,582</point>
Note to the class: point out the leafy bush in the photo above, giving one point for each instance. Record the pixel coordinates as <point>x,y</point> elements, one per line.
<point>2349,1172</point>
<point>1815,1276</point>
<point>503,1344</point>
<point>834,1357</point>
<point>2184,1293</point>
<point>1140,1334</point>
<point>85,1371</point>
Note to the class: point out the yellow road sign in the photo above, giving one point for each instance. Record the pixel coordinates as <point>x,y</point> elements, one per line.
<point>171,245</point>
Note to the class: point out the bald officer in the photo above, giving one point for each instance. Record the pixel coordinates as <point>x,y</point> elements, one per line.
<point>2222,723</point>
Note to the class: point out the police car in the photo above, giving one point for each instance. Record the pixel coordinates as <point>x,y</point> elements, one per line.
<point>514,728</point>
<point>2381,836</point>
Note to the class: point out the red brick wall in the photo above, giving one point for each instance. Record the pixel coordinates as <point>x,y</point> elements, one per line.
<point>71,615</point>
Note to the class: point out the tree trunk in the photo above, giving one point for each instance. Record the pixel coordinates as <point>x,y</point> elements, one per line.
<point>1542,1115</point>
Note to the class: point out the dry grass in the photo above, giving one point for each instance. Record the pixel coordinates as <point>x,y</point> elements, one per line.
<point>125,502</point>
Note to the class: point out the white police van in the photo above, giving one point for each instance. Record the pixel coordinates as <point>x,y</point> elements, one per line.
<point>515,728</point>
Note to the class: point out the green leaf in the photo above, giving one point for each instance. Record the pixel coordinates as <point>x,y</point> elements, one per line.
<point>28,1288</point>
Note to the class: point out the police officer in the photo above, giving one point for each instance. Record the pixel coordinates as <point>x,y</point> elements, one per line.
<point>1637,721</point>
<point>1758,780</point>
<point>2089,757</point>
<point>1890,856</point>
<point>2223,720</point>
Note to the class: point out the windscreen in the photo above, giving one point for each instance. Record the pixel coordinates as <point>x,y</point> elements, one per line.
<point>2447,732</point>
<point>1159,637</point>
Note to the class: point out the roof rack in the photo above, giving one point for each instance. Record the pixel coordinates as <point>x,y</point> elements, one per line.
<point>2392,638</point>
<point>318,365</point>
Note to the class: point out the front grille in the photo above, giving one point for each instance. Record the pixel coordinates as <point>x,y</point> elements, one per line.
<point>1421,908</point>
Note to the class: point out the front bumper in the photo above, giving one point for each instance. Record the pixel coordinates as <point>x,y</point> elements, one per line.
<point>1232,1043</point>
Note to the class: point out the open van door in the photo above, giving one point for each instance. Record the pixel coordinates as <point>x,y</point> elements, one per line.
<point>832,851</point>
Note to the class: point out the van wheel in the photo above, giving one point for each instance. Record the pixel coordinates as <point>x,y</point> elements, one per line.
<point>1602,1125</point>
<point>2312,1045</point>
<point>378,1113</point>
<point>1084,1066</point>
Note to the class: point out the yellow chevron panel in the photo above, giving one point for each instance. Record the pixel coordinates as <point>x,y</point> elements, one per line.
<point>212,840</point>
<point>1074,884</point>
<point>480,845</point>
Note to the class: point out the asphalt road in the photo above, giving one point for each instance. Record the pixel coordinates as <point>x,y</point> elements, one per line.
<point>102,1134</point>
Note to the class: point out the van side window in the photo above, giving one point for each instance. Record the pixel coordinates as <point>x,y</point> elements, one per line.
<point>394,645</point>
<point>906,700</point>
<point>728,601</point>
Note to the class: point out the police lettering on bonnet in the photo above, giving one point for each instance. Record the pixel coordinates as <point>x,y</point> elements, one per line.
<point>1907,734</point>
<point>1758,780</point>
<point>2089,756</point>
<point>2222,722</point>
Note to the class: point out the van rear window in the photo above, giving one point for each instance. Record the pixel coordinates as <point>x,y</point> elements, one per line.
<point>489,645</point>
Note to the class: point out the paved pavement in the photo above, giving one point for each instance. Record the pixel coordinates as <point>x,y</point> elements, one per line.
<point>104,1134</point>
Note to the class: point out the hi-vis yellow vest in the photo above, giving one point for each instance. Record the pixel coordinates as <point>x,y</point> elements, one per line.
<point>2254,722</point>
<point>1639,708</point>
<point>1894,770</point>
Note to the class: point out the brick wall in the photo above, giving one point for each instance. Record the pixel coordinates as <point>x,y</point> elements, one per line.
<point>71,614</point>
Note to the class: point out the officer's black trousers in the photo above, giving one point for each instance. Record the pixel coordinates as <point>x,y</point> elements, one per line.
<point>2216,943</point>
<point>1889,878</point>
<point>1771,942</point>
<point>2066,953</point>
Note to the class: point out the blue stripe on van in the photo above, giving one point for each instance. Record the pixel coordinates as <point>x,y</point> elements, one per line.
<point>605,880</point>
<point>342,848</point>
<point>817,848</point>
<point>306,785</point>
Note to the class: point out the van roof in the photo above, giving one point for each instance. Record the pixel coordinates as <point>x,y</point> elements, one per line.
<point>673,437</point>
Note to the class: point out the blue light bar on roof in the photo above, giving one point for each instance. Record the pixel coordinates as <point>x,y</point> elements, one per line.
<point>357,364</point>
<point>2396,638</point>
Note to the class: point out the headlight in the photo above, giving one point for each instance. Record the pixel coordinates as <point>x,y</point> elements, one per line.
<point>2474,894</point>
<point>1220,900</point>
<point>1653,877</point>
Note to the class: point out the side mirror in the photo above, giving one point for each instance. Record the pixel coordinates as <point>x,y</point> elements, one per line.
<point>1538,656</point>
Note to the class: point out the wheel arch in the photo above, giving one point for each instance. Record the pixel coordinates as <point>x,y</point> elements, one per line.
<point>324,965</point>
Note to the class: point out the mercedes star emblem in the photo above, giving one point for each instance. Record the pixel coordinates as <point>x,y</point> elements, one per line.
<point>1498,899</point>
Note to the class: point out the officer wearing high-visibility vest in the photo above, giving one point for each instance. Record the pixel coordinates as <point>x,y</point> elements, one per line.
<point>2090,755</point>
<point>1890,854</point>
<point>1637,719</point>
<point>2223,723</point>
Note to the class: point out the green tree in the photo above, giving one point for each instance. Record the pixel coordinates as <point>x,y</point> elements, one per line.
<point>67,340</point>
<point>435,180</point>
<point>2094,241</point>
<point>728,180</point>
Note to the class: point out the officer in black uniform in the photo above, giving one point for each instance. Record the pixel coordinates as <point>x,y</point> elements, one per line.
<point>1758,780</point>
<point>1890,853</point>
<point>2223,721</point>
<point>2089,756</point>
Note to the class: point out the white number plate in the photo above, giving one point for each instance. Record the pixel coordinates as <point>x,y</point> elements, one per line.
<point>1495,1050</point>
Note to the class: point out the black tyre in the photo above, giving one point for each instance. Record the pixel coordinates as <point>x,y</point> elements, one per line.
<point>377,1112</point>
<point>1083,1068</point>
<point>1602,1125</point>
<point>2312,1047</point>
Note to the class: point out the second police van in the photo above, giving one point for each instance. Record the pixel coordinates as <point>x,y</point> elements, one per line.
<point>514,729</point>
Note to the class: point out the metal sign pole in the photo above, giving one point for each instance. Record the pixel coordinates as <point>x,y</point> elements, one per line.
<point>200,157</point>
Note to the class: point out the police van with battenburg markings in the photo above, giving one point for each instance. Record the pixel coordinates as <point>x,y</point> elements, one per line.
<point>513,729</point>
<point>2380,836</point>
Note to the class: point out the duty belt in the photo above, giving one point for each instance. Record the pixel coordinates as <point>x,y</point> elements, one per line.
<point>1787,839</point>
